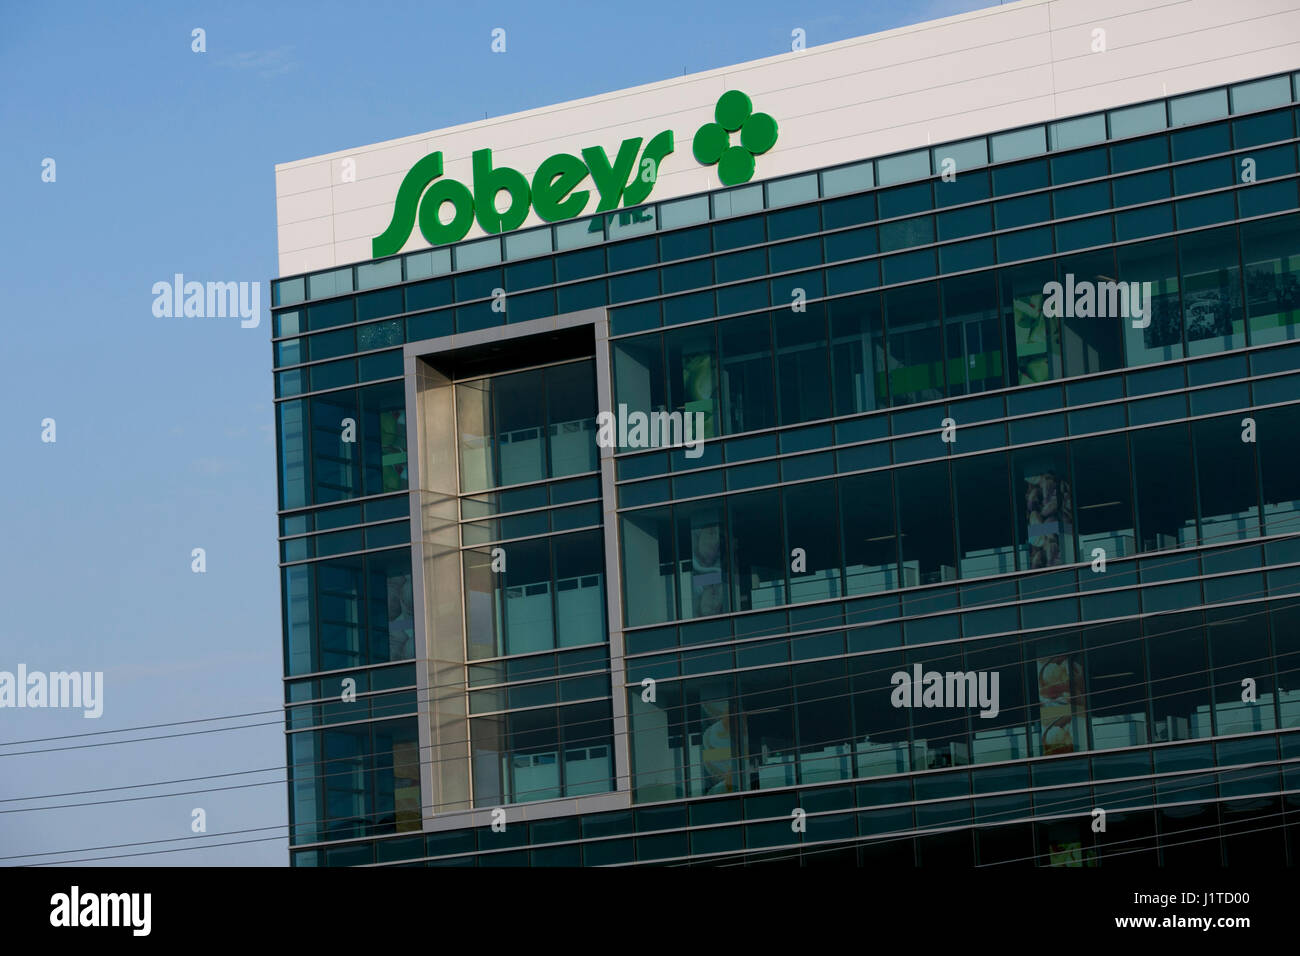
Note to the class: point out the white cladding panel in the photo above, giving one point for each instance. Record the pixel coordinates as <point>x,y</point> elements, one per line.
<point>981,72</point>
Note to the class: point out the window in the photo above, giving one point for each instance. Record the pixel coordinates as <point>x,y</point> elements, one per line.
<point>522,598</point>
<point>906,233</point>
<point>1023,211</point>
<point>702,552</point>
<point>768,726</point>
<point>428,295</point>
<point>1162,337</point>
<point>1044,500</point>
<point>1022,177</point>
<point>570,418</point>
<point>692,364</point>
<point>340,590</point>
<point>1163,477</point>
<point>639,373</point>
<point>1104,495</point>
<point>518,424</point>
<point>336,465</point>
<point>1279,465</point>
<point>880,731</point>
<point>390,605</point>
<point>329,314</point>
<point>1284,621</point>
<point>1271,253</point>
<point>299,618</point>
<point>1211,282</point>
<point>1116,681</point>
<point>1034,338</point>
<point>823,721</point>
<point>938,739</point>
<point>812,525</point>
<point>1225,480</point>
<point>649,566</point>
<point>531,766</point>
<point>1000,736</point>
<point>925,524</point>
<point>1091,342</point>
<point>1180,693</point>
<point>1082,164</point>
<point>803,378</point>
<point>545,592</point>
<point>527,426</point>
<point>383,435</point>
<point>579,588</point>
<point>1239,649</point>
<point>758,556</point>
<point>745,348</point>
<point>292,421</point>
<point>857,354</point>
<point>972,336</point>
<point>915,355</point>
<point>984,516</point>
<point>870,535</point>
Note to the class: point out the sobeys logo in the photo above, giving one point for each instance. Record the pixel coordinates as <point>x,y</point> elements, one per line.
<point>553,192</point>
<point>713,140</point>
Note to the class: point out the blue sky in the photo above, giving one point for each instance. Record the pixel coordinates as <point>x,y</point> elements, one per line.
<point>164,163</point>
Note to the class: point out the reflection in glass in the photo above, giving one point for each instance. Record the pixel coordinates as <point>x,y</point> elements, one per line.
<point>1211,280</point>
<point>1239,650</point>
<point>1046,512</point>
<point>984,516</point>
<point>649,566</point>
<point>971,334</point>
<point>1279,463</point>
<point>1104,495</point>
<point>803,379</point>
<point>926,524</point>
<point>518,426</point>
<point>692,363</point>
<point>745,345</point>
<point>1116,680</point>
<point>870,534</point>
<point>1154,263</point>
<point>579,588</point>
<point>1163,477</point>
<point>701,556</point>
<point>1225,480</point>
<point>1034,338</point>
<point>474,432</point>
<point>857,354</point>
<point>1090,343</point>
<point>1179,687</point>
<point>1271,252</point>
<point>812,525</point>
<point>915,344</point>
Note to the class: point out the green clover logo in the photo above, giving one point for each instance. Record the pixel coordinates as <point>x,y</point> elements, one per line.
<point>712,142</point>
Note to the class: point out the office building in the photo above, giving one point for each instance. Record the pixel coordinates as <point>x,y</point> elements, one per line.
<point>879,453</point>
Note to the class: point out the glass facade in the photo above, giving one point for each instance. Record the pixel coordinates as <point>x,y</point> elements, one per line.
<point>1033,419</point>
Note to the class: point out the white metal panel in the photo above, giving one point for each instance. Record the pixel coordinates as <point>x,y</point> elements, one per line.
<point>980,72</point>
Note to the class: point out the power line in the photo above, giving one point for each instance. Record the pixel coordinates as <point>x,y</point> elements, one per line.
<point>794,750</point>
<point>1033,818</point>
<point>1138,785</point>
<point>460,684</point>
